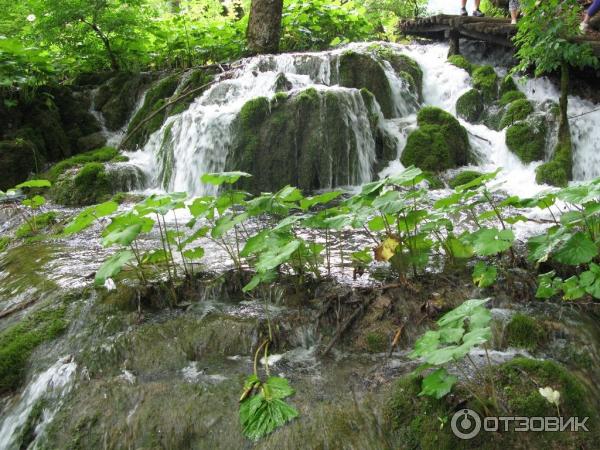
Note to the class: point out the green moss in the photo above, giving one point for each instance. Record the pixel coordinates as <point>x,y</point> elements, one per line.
<point>409,70</point>
<point>461,62</point>
<point>18,342</point>
<point>524,332</point>
<point>376,342</point>
<point>359,70</point>
<point>91,184</point>
<point>433,180</point>
<point>517,110</point>
<point>559,170</point>
<point>438,144</point>
<point>464,177</point>
<point>511,96</point>
<point>104,154</point>
<point>40,222</point>
<point>527,140</point>
<point>254,112</point>
<point>470,106</point>
<point>486,80</point>
<point>4,241</point>
<point>507,85</point>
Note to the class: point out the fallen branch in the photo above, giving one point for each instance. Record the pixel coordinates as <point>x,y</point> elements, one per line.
<point>396,340</point>
<point>166,105</point>
<point>342,329</point>
<point>480,138</point>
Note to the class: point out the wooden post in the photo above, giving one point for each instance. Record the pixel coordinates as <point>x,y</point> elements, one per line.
<point>453,37</point>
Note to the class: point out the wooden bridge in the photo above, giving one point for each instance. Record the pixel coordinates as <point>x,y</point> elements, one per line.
<point>494,30</point>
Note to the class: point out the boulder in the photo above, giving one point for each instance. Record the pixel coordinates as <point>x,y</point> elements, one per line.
<point>486,80</point>
<point>470,106</point>
<point>517,110</point>
<point>527,140</point>
<point>438,144</point>
<point>91,142</point>
<point>306,140</point>
<point>17,161</point>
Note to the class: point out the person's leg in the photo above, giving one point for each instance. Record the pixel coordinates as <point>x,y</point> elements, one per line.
<point>514,6</point>
<point>463,8</point>
<point>591,12</point>
<point>476,12</point>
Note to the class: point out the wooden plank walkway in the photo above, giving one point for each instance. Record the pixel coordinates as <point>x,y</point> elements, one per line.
<point>494,30</point>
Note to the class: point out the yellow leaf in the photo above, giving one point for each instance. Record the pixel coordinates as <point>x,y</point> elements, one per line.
<point>386,250</point>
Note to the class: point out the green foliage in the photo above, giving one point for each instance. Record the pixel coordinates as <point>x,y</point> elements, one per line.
<point>546,37</point>
<point>18,341</point>
<point>265,410</point>
<point>484,275</point>
<point>42,221</point>
<point>459,331</point>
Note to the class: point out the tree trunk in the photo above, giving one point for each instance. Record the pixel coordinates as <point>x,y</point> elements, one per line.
<point>114,63</point>
<point>564,149</point>
<point>264,26</point>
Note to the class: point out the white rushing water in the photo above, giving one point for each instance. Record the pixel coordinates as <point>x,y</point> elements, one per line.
<point>199,140</point>
<point>50,385</point>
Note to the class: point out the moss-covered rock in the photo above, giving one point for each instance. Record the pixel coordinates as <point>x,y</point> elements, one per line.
<point>559,170</point>
<point>359,70</point>
<point>306,140</point>
<point>433,181</point>
<point>470,106</point>
<point>461,62</point>
<point>524,332</point>
<point>103,154</point>
<point>464,177</point>
<point>18,341</point>
<point>18,158</point>
<point>510,96</point>
<point>94,183</point>
<point>517,110</point>
<point>91,142</point>
<point>438,144</point>
<point>486,80</point>
<point>507,84</point>
<point>409,70</point>
<point>527,140</point>
<point>117,98</point>
<point>416,420</point>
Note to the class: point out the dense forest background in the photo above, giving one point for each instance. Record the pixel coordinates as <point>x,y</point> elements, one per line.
<point>41,39</point>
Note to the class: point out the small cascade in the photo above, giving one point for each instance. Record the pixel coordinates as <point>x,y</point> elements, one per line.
<point>201,139</point>
<point>50,385</point>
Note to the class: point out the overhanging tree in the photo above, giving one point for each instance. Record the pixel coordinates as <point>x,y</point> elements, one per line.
<point>547,40</point>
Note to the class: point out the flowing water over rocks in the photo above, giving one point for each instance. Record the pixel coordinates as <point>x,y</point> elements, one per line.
<point>129,369</point>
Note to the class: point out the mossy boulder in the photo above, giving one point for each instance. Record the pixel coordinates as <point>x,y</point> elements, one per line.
<point>463,178</point>
<point>409,70</point>
<point>103,154</point>
<point>485,80</point>
<point>507,84</point>
<point>438,144</point>
<point>517,110</point>
<point>469,106</point>
<point>461,62</point>
<point>117,98</point>
<point>307,140</point>
<point>527,140</point>
<point>94,183</point>
<point>359,70</point>
<point>91,141</point>
<point>18,158</point>
<point>510,96</point>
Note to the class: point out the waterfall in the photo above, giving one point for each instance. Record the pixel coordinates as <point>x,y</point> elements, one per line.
<point>199,140</point>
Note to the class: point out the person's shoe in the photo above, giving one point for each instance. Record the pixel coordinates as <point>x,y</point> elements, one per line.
<point>513,22</point>
<point>478,13</point>
<point>583,26</point>
<point>463,12</point>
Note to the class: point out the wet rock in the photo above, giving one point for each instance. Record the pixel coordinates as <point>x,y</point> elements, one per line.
<point>470,106</point>
<point>91,142</point>
<point>18,159</point>
<point>527,139</point>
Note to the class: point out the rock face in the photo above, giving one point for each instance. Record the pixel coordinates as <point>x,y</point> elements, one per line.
<point>153,112</point>
<point>54,125</point>
<point>309,140</point>
<point>438,144</point>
